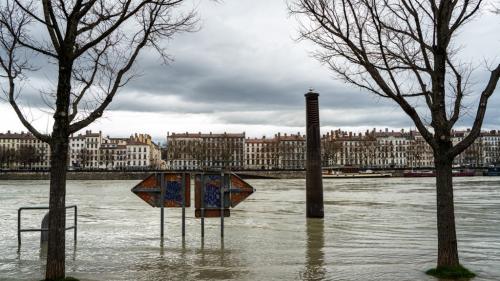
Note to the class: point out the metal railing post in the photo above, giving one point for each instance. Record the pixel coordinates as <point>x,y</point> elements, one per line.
<point>19,229</point>
<point>75,224</point>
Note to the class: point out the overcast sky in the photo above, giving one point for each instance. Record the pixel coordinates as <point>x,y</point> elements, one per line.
<point>243,72</point>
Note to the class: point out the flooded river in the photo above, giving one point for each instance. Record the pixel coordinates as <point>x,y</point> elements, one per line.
<point>374,229</point>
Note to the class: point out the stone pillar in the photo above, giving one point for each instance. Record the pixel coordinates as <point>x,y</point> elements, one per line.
<point>314,180</point>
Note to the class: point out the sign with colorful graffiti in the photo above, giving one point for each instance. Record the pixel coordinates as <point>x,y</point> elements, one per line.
<point>165,189</point>
<point>210,191</point>
<point>210,187</point>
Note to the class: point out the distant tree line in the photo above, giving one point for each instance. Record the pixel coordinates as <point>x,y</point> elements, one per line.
<point>25,157</point>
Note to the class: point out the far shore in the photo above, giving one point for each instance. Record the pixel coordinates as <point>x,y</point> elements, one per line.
<point>141,174</point>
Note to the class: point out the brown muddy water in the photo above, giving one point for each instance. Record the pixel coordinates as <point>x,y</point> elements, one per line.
<point>374,229</point>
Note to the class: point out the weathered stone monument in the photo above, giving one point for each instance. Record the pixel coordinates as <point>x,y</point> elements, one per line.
<point>314,180</point>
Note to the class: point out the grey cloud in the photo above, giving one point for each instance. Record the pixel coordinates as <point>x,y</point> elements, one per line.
<point>387,116</point>
<point>244,68</point>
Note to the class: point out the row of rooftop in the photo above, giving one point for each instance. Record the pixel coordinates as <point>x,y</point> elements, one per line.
<point>331,134</point>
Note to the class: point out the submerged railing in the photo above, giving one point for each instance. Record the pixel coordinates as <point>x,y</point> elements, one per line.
<point>20,230</point>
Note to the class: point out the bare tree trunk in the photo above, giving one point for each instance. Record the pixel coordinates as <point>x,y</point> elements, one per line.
<point>447,237</point>
<point>57,214</point>
<point>55,268</point>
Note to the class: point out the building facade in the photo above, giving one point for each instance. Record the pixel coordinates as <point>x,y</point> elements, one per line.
<point>23,151</point>
<point>188,151</point>
<point>280,152</point>
<point>94,151</point>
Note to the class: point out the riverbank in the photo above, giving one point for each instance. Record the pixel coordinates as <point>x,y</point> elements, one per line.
<point>246,174</point>
<point>139,175</point>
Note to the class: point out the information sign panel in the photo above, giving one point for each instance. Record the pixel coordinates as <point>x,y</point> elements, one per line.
<point>150,190</point>
<point>208,191</point>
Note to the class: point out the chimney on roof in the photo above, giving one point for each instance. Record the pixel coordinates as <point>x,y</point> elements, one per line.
<point>386,130</point>
<point>8,132</point>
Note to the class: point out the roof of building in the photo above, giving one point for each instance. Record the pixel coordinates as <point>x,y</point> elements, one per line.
<point>292,138</point>
<point>88,134</point>
<point>209,135</point>
<point>134,142</point>
<point>21,135</point>
<point>261,140</point>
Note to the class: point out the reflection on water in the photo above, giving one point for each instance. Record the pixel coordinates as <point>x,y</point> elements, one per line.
<point>315,265</point>
<point>374,229</point>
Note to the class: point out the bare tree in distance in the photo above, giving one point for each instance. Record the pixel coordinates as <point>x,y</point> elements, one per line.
<point>94,44</point>
<point>406,51</point>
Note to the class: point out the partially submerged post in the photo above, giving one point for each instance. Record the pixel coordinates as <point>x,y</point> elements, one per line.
<point>314,181</point>
<point>44,236</point>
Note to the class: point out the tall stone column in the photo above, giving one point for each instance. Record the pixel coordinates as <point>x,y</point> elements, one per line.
<point>314,180</point>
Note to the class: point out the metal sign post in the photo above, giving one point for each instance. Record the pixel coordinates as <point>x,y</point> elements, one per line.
<point>184,204</point>
<point>162,197</point>
<point>222,190</point>
<point>165,190</point>
<point>202,195</point>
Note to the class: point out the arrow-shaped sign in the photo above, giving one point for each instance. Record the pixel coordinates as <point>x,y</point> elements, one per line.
<point>208,194</point>
<point>150,190</point>
<point>239,190</point>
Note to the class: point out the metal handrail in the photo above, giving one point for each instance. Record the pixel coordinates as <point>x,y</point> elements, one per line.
<point>20,230</point>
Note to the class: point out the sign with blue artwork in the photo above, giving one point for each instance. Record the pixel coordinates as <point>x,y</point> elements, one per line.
<point>211,190</point>
<point>165,189</point>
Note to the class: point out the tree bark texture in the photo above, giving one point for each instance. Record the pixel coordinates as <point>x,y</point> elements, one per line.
<point>57,211</point>
<point>55,268</point>
<point>447,237</point>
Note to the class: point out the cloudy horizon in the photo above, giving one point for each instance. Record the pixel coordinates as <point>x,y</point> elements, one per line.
<point>244,72</point>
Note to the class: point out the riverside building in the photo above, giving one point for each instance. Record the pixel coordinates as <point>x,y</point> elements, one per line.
<point>285,152</point>
<point>23,151</point>
<point>191,151</point>
<point>93,151</point>
<point>188,151</point>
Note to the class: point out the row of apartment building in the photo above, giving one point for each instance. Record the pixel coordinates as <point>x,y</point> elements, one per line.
<point>86,151</point>
<point>371,149</point>
<point>234,151</point>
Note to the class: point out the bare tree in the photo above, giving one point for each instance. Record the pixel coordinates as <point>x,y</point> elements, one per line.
<point>94,44</point>
<point>331,148</point>
<point>199,153</point>
<point>404,50</point>
<point>7,157</point>
<point>27,155</point>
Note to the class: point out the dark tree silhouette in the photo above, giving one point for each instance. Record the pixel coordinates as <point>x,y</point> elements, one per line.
<point>94,44</point>
<point>404,50</point>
